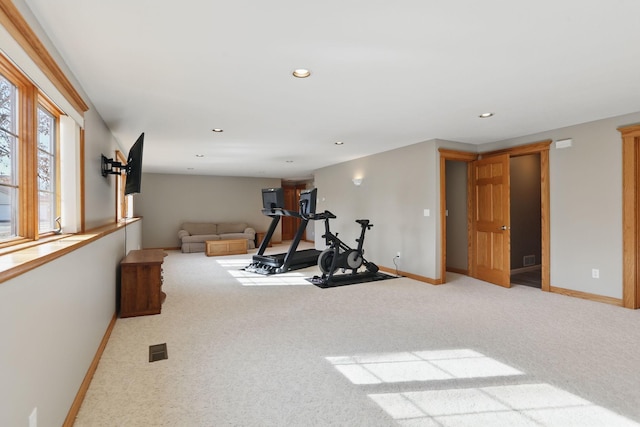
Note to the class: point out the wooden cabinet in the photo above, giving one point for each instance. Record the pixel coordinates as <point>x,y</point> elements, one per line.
<point>225,247</point>
<point>141,282</point>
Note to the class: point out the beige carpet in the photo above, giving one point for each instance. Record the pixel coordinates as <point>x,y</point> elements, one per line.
<point>250,350</point>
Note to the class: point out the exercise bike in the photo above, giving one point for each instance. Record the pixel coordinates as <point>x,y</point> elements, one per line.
<point>339,256</point>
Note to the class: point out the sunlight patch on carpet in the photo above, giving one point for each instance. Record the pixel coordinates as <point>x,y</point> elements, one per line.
<point>516,405</point>
<point>419,366</point>
<point>246,278</point>
<point>512,405</point>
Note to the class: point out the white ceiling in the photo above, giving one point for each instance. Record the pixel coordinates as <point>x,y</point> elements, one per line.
<point>385,74</point>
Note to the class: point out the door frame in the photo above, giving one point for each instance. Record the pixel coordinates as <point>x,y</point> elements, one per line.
<point>541,148</point>
<point>630,219</point>
<point>459,156</point>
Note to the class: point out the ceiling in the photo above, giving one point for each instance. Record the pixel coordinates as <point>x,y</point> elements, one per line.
<point>384,74</point>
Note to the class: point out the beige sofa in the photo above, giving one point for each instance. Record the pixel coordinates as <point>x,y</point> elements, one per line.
<point>194,234</point>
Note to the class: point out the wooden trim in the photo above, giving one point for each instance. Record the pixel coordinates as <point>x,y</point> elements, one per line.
<point>34,257</point>
<point>84,386</point>
<point>545,220</point>
<point>470,204</point>
<point>443,217</point>
<point>458,270</point>
<point>462,156</point>
<point>17,26</point>
<point>28,137</point>
<point>121,199</point>
<point>630,209</point>
<point>81,155</point>
<point>521,150</point>
<point>586,295</point>
<point>541,148</point>
<point>412,276</point>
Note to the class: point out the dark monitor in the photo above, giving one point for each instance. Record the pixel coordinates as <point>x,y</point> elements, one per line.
<point>308,202</point>
<point>134,167</point>
<point>272,198</point>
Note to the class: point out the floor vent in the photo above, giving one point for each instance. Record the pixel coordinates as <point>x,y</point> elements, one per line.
<point>158,352</point>
<point>528,260</point>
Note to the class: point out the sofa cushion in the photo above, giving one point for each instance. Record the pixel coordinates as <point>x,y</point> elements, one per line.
<point>200,227</point>
<point>231,227</point>
<point>199,238</point>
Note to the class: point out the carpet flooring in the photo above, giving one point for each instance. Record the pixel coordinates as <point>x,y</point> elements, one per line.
<point>251,350</point>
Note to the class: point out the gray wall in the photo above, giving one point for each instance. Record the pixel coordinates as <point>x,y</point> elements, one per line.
<point>397,186</point>
<point>166,201</point>
<point>53,318</point>
<point>100,192</point>
<point>585,193</point>
<point>586,204</point>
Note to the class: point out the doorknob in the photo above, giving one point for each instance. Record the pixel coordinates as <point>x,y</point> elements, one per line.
<point>504,227</point>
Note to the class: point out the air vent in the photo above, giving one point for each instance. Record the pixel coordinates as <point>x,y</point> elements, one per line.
<point>528,260</point>
<point>158,352</point>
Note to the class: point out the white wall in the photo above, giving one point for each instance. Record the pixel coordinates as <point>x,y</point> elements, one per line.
<point>166,201</point>
<point>52,320</point>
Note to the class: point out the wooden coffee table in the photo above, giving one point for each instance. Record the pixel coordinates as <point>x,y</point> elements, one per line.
<point>225,247</point>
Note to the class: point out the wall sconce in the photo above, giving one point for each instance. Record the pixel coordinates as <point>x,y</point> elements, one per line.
<point>357,181</point>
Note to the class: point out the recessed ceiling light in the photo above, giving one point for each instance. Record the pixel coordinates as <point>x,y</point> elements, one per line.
<point>301,73</point>
<point>485,115</point>
<point>199,155</point>
<point>339,143</point>
<point>217,130</point>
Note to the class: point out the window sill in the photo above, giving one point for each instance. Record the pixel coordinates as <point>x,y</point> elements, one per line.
<point>19,259</point>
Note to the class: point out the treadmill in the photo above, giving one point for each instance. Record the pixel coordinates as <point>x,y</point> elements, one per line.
<point>293,259</point>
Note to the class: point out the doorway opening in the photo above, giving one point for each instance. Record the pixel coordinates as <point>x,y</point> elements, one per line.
<point>540,161</point>
<point>526,234</point>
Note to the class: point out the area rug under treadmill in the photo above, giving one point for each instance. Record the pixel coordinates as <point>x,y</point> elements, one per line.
<point>349,279</point>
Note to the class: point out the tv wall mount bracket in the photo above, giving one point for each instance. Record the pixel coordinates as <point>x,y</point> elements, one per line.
<point>111,167</point>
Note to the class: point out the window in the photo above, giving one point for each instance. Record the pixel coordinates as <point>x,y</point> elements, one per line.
<point>8,159</point>
<point>48,206</point>
<point>29,159</point>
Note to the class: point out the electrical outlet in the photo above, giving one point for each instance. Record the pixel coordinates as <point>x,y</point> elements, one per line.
<point>595,273</point>
<point>398,255</point>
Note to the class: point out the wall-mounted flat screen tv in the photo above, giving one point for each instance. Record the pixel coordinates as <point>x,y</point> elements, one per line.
<point>134,167</point>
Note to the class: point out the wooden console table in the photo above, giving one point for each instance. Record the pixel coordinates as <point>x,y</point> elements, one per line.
<point>225,247</point>
<point>141,282</point>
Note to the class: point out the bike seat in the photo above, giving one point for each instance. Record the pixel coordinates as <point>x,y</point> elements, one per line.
<point>363,222</point>
<point>325,215</point>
